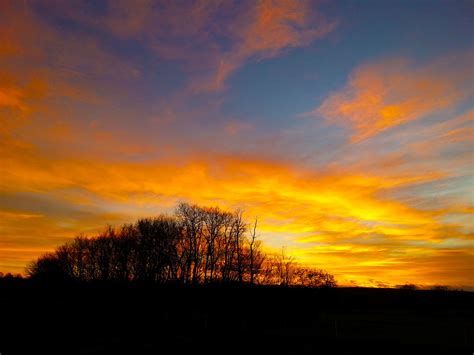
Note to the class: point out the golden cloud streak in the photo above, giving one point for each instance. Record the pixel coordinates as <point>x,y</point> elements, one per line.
<point>295,206</point>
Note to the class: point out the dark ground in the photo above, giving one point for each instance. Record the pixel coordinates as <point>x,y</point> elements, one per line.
<point>41,318</point>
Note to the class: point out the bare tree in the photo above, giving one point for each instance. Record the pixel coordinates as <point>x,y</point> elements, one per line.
<point>191,217</point>
<point>310,277</point>
<point>256,257</point>
<point>196,245</point>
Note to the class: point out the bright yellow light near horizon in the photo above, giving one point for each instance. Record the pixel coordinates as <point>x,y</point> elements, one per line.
<point>297,206</point>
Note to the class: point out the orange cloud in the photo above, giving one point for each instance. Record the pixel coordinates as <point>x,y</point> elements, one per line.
<point>279,24</point>
<point>18,101</point>
<point>235,127</point>
<point>344,217</point>
<point>391,92</point>
<point>266,29</point>
<point>15,94</point>
<point>11,98</point>
<point>344,213</point>
<point>40,48</point>
<point>20,242</point>
<point>193,32</point>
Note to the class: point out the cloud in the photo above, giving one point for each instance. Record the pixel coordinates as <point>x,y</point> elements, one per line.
<point>392,92</point>
<point>41,46</point>
<point>15,96</point>
<point>340,219</point>
<point>83,144</point>
<point>58,222</point>
<point>18,101</point>
<point>11,98</point>
<point>264,31</point>
<point>315,207</point>
<point>236,127</point>
<point>279,24</point>
<point>388,265</point>
<point>212,39</point>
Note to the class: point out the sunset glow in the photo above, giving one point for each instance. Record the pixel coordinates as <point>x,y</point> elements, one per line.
<point>353,145</point>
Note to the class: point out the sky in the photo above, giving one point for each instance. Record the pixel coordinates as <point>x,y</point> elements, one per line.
<point>345,127</point>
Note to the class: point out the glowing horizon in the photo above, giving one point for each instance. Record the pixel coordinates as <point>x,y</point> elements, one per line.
<point>348,136</point>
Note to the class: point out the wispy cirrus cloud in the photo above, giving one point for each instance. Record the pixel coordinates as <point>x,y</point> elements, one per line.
<point>212,39</point>
<point>392,92</point>
<point>263,31</point>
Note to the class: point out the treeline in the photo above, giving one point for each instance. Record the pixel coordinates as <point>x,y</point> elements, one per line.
<point>196,245</point>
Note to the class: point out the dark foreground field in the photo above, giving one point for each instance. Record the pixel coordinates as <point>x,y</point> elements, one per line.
<point>137,319</point>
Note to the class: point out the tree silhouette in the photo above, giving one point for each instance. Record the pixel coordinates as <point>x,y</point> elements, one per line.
<point>196,245</point>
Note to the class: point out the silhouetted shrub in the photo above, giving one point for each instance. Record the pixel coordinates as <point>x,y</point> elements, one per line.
<point>407,287</point>
<point>10,276</point>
